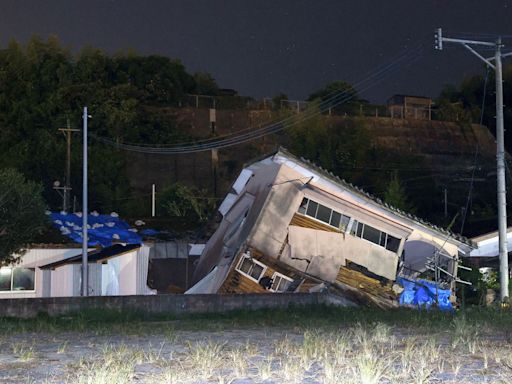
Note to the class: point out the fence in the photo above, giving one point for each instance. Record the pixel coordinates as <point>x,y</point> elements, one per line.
<point>176,305</point>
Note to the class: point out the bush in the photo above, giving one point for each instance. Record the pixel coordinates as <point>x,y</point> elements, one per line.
<point>178,200</point>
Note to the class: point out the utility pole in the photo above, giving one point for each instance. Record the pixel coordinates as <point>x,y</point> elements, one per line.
<point>66,200</point>
<point>500,151</point>
<point>153,193</point>
<point>85,277</point>
<point>445,202</point>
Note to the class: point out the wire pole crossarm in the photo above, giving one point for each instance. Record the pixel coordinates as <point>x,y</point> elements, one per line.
<point>500,147</point>
<point>479,56</point>
<point>463,41</point>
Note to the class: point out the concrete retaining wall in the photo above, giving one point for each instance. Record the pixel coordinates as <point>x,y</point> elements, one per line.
<point>159,304</point>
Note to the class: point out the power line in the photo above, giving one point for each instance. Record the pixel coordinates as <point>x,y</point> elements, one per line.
<point>237,138</point>
<point>331,97</point>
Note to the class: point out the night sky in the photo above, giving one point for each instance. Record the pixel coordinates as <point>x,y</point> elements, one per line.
<point>261,48</point>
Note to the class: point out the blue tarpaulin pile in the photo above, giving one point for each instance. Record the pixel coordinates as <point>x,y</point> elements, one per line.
<point>103,230</point>
<point>424,294</point>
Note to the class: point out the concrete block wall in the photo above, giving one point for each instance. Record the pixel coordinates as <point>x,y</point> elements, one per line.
<point>177,305</point>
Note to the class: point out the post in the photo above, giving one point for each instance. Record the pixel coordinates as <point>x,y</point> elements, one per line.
<point>445,202</point>
<point>153,200</point>
<point>68,168</point>
<point>500,145</point>
<point>66,196</point>
<point>502,191</point>
<point>85,277</point>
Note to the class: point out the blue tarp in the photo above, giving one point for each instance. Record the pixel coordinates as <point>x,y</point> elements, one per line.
<point>422,293</point>
<point>103,230</point>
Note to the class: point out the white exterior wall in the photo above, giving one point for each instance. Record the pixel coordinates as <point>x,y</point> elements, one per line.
<point>126,274</point>
<point>62,280</point>
<point>142,271</point>
<point>34,258</point>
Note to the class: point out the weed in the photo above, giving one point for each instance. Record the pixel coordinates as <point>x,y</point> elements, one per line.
<point>205,357</point>
<point>62,347</point>
<point>23,351</point>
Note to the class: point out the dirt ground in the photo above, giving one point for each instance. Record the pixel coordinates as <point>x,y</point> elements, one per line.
<point>225,352</point>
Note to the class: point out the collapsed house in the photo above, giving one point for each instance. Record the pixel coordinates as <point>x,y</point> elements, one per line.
<point>290,226</point>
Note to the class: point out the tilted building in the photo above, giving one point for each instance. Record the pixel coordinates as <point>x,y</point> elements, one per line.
<point>288,225</point>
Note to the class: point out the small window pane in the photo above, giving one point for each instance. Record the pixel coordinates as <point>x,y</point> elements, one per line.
<point>23,279</point>
<point>275,283</point>
<point>312,206</point>
<point>353,229</point>
<point>256,272</point>
<point>393,244</point>
<point>5,279</point>
<point>280,284</point>
<point>303,206</point>
<point>283,285</point>
<point>246,265</point>
<point>371,234</point>
<point>382,242</point>
<point>359,229</point>
<point>335,219</point>
<point>323,214</point>
<point>344,222</point>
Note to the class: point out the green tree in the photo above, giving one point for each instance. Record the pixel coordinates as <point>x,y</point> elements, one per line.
<point>463,102</point>
<point>277,101</point>
<point>205,84</point>
<point>178,200</point>
<point>347,100</point>
<point>21,214</point>
<point>42,84</point>
<point>396,196</point>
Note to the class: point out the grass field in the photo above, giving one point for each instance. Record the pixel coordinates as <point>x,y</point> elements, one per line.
<point>299,345</point>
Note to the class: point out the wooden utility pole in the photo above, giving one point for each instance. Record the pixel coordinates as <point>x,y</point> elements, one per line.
<point>66,198</point>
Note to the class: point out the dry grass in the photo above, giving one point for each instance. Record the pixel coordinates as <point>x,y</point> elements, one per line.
<point>459,350</point>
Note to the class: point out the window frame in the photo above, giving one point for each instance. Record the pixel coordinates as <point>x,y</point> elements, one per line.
<point>11,290</point>
<point>342,215</point>
<point>359,225</point>
<point>353,226</point>
<point>281,276</point>
<point>254,261</point>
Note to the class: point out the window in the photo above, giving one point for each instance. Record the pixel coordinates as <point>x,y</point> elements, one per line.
<point>372,234</point>
<point>324,214</point>
<point>375,236</point>
<point>392,243</point>
<point>251,268</point>
<point>312,208</point>
<point>340,221</point>
<point>17,279</point>
<point>280,283</point>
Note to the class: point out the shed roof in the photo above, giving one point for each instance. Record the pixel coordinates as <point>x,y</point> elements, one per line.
<point>95,255</point>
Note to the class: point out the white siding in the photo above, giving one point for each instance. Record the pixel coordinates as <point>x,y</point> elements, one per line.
<point>142,270</point>
<point>34,258</point>
<point>62,281</point>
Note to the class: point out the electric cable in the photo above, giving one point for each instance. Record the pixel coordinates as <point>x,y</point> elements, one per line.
<point>237,138</point>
